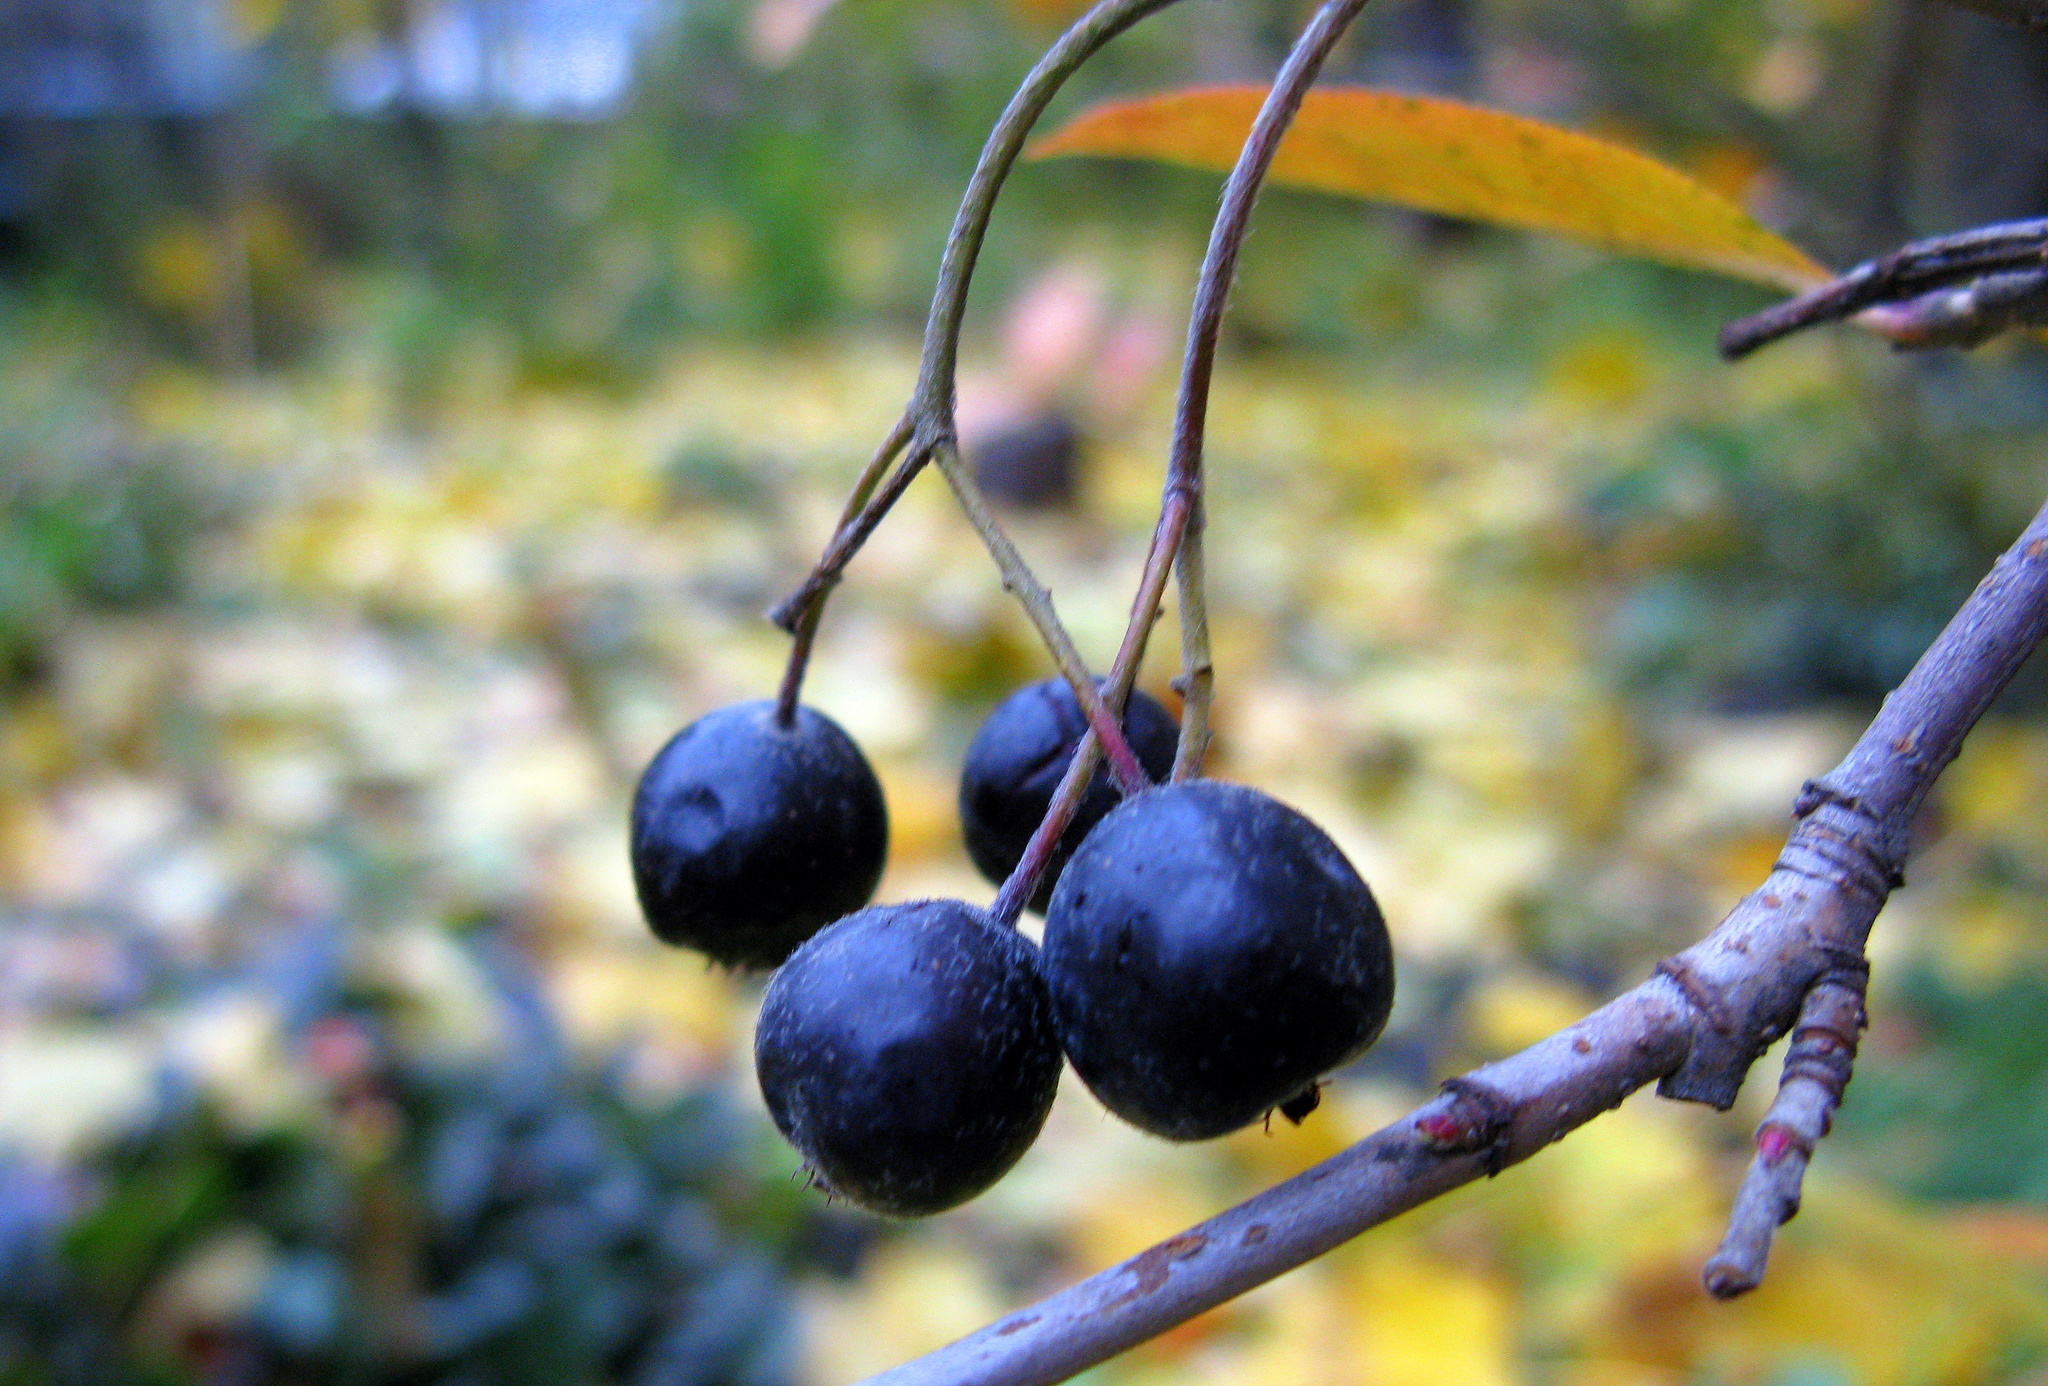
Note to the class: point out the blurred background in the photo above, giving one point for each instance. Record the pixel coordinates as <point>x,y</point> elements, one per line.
<point>407,407</point>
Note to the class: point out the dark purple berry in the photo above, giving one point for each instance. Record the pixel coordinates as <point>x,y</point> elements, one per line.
<point>908,1053</point>
<point>1210,955</point>
<point>749,837</point>
<point>1016,762</point>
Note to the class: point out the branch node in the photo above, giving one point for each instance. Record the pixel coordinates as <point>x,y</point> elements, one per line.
<point>1470,1116</point>
<point>1702,997</point>
<point>1866,853</point>
<point>1814,793</point>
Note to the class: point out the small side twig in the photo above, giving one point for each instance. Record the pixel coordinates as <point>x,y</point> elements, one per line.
<point>1818,1066</point>
<point>1965,316</point>
<point>1910,273</point>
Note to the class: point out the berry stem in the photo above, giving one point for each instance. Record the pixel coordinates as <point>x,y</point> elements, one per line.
<point>928,423</point>
<point>1022,883</point>
<point>1177,539</point>
<point>863,511</point>
<point>803,622</point>
<point>1198,367</point>
<point>1031,594</point>
<point>1197,682</point>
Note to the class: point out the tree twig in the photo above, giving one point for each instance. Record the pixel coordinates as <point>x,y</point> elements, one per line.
<point>1909,273</point>
<point>1966,315</point>
<point>1694,1027</point>
<point>1818,1066</point>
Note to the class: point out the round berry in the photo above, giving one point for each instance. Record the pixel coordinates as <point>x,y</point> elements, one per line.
<point>908,1053</point>
<point>1017,760</point>
<point>1210,955</point>
<point>749,837</point>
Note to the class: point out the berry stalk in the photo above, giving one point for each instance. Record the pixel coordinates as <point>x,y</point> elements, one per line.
<point>864,510</point>
<point>1031,594</point>
<point>928,423</point>
<point>1198,367</point>
<point>802,623</point>
<point>1123,673</point>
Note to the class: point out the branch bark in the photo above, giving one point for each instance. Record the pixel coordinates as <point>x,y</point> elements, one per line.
<point>1694,1027</point>
<point>1954,290</point>
<point>1818,1066</point>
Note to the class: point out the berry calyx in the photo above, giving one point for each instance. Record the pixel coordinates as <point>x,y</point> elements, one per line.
<point>749,836</point>
<point>1016,761</point>
<point>1210,955</point>
<point>908,1053</point>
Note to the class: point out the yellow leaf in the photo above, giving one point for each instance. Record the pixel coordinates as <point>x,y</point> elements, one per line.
<point>1457,160</point>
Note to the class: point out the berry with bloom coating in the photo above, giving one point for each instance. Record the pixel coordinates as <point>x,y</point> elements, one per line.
<point>908,1053</point>
<point>749,837</point>
<point>1210,955</point>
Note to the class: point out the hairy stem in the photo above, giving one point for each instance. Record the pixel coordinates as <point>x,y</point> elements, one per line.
<point>1694,1027</point>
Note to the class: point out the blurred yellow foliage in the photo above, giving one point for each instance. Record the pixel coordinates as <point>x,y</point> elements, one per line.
<point>452,647</point>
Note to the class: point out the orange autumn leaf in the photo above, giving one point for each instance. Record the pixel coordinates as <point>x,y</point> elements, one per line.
<point>1457,160</point>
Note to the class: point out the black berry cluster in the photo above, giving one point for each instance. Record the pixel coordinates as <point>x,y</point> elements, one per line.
<point>1209,953</point>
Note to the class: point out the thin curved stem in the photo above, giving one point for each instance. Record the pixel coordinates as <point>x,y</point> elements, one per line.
<point>1005,142</point>
<point>1031,594</point>
<point>1176,540</point>
<point>1198,366</point>
<point>928,423</point>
